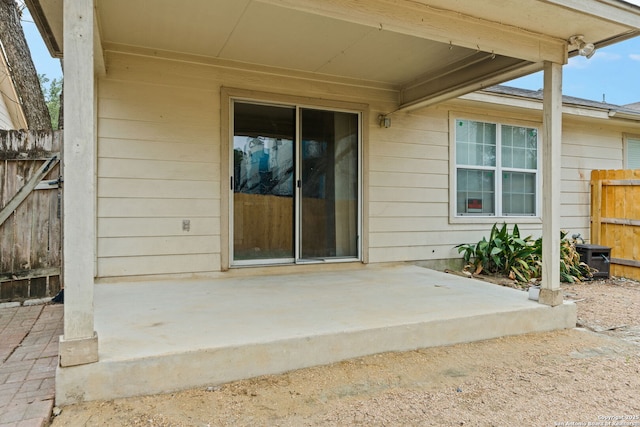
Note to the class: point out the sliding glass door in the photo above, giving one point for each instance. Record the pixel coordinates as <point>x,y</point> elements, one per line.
<point>263,182</point>
<point>296,186</point>
<point>329,181</point>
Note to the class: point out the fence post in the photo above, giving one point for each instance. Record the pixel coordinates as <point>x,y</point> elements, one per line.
<point>596,207</point>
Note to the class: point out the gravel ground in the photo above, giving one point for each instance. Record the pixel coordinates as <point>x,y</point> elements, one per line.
<point>590,374</point>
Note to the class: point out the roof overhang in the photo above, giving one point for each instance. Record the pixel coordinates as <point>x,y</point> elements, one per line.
<point>10,95</point>
<point>427,50</point>
<point>625,114</point>
<point>506,100</point>
<point>47,14</point>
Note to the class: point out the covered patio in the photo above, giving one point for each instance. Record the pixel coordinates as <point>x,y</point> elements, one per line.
<point>151,200</point>
<point>245,325</point>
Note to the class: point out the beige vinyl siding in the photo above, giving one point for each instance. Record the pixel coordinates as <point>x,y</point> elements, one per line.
<point>585,146</point>
<point>410,194</point>
<point>409,187</point>
<point>409,178</point>
<point>159,264</point>
<point>159,159</point>
<point>148,227</point>
<point>119,207</point>
<point>159,163</point>
<point>140,246</point>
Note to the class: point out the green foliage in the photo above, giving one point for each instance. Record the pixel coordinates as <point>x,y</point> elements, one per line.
<point>520,258</point>
<point>571,269</point>
<point>505,253</point>
<point>51,89</point>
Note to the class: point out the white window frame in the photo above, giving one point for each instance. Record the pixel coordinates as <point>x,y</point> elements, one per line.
<point>627,138</point>
<point>454,217</point>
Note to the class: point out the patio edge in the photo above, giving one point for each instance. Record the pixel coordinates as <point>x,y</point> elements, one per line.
<point>107,380</point>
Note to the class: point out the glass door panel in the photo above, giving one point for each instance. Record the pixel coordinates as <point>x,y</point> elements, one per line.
<point>329,184</point>
<point>263,177</point>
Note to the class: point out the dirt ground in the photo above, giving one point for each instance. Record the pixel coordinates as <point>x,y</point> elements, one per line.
<point>590,374</point>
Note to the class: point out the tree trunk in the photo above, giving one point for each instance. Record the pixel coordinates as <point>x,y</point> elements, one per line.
<point>23,72</point>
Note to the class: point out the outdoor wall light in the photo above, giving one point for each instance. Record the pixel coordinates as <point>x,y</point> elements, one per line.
<point>584,48</point>
<point>385,122</point>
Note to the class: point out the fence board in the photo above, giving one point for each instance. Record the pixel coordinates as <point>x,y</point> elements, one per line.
<point>30,239</point>
<point>615,218</point>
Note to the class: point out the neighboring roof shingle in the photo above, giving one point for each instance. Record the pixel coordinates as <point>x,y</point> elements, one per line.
<point>569,100</point>
<point>634,106</point>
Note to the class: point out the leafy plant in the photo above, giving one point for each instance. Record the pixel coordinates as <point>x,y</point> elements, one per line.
<point>571,268</point>
<point>508,254</point>
<point>505,253</point>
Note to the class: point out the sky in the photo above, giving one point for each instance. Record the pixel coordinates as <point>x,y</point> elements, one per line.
<point>612,74</point>
<point>42,59</point>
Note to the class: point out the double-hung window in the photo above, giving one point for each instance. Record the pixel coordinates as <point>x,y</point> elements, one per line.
<point>632,152</point>
<point>496,169</point>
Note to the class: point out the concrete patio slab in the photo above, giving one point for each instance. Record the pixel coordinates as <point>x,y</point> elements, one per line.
<point>169,335</point>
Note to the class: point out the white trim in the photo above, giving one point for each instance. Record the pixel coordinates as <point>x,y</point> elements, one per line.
<point>625,149</point>
<point>79,344</point>
<point>454,217</point>
<point>552,181</point>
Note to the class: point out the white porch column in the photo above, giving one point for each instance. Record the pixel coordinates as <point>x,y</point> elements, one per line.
<point>79,344</point>
<point>550,292</point>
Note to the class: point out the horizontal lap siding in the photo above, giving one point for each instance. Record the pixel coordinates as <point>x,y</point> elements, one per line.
<point>117,207</point>
<point>163,245</point>
<point>159,159</point>
<point>156,188</point>
<point>409,191</point>
<point>409,185</point>
<point>585,146</point>
<point>149,226</point>
<point>409,180</point>
<point>158,164</point>
<point>159,264</point>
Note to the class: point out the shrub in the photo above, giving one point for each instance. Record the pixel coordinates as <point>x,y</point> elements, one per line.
<point>505,253</point>
<point>571,268</point>
<point>508,254</point>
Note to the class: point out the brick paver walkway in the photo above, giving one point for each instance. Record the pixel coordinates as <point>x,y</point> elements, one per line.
<point>28,356</point>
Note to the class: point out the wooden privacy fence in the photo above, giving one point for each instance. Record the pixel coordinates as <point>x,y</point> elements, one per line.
<point>615,218</point>
<point>30,214</point>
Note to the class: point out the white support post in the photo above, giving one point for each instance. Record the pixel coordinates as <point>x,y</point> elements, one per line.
<point>79,344</point>
<point>550,293</point>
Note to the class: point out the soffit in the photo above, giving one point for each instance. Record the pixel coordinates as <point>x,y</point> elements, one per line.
<point>258,33</point>
<point>424,48</point>
<point>47,15</point>
<point>596,20</point>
